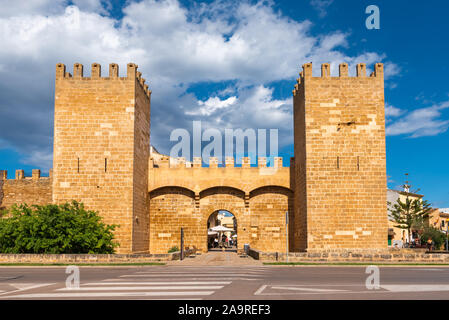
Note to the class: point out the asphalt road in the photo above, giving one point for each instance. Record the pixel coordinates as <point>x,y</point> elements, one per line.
<point>256,282</point>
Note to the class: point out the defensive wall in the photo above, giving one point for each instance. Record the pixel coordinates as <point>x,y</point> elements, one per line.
<point>30,190</point>
<point>258,197</point>
<point>334,189</point>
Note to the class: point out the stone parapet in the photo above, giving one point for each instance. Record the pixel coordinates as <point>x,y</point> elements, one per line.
<point>91,258</point>
<point>356,256</point>
<point>22,189</point>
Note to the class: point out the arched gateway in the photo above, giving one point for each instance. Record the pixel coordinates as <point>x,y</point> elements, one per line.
<point>222,230</point>
<point>258,201</point>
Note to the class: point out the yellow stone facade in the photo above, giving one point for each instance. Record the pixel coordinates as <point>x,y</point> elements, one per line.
<point>334,190</point>
<point>340,161</point>
<point>101,148</point>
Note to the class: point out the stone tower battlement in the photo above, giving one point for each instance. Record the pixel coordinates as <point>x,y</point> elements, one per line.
<point>78,73</point>
<point>164,162</point>
<point>33,189</point>
<point>376,75</point>
<point>340,162</point>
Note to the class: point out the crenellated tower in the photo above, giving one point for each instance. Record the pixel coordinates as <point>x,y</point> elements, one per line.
<point>101,148</point>
<point>340,169</point>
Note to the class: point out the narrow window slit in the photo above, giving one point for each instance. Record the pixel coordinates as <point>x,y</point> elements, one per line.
<point>338,162</point>
<point>105,164</point>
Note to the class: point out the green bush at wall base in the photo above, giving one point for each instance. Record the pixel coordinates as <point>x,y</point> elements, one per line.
<point>66,228</point>
<point>173,249</point>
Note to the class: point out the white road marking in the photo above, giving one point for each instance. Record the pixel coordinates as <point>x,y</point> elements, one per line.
<point>170,299</point>
<point>156,282</point>
<point>415,287</point>
<point>208,272</point>
<point>141,288</point>
<point>307,289</point>
<point>112,294</point>
<point>184,275</point>
<point>425,269</point>
<point>26,286</point>
<point>259,291</point>
<point>384,289</point>
<point>201,278</point>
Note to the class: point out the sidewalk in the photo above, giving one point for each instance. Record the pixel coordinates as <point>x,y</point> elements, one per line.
<point>217,259</point>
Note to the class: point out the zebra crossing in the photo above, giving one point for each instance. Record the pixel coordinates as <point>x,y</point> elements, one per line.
<point>168,282</point>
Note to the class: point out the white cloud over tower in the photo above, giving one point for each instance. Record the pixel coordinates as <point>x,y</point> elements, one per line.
<point>247,44</point>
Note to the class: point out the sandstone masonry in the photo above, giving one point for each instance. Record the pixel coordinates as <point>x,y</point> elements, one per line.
<point>340,167</point>
<point>334,190</point>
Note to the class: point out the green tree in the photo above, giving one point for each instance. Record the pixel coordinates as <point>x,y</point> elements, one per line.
<point>66,228</point>
<point>410,214</point>
<point>436,235</point>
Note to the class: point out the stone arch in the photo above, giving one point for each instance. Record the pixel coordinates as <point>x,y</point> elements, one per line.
<point>268,205</point>
<point>228,222</point>
<point>260,216</point>
<point>223,198</point>
<point>223,189</point>
<point>272,189</point>
<point>170,190</point>
<point>171,208</point>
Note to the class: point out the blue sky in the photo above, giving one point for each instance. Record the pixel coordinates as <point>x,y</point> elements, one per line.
<point>231,64</point>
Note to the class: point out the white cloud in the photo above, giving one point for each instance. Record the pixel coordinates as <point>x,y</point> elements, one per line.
<point>321,6</point>
<point>30,7</point>
<point>99,6</point>
<point>391,69</point>
<point>40,159</point>
<point>421,122</point>
<point>255,108</point>
<point>174,46</point>
<point>391,111</point>
<point>211,105</point>
<point>49,7</point>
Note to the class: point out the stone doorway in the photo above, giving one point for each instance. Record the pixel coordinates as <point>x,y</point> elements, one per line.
<point>222,231</point>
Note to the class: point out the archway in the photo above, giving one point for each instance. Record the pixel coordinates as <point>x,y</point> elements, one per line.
<point>222,231</point>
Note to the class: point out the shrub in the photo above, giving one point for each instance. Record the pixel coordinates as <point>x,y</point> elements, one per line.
<point>173,249</point>
<point>436,235</point>
<point>66,228</point>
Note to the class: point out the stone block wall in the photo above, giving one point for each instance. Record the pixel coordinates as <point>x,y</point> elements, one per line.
<point>371,256</point>
<point>170,209</point>
<point>29,190</point>
<point>80,259</point>
<point>268,206</point>
<point>101,147</point>
<point>141,219</point>
<point>340,160</point>
<point>186,197</point>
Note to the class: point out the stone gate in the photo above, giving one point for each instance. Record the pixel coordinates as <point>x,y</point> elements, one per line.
<point>182,196</point>
<point>334,190</point>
